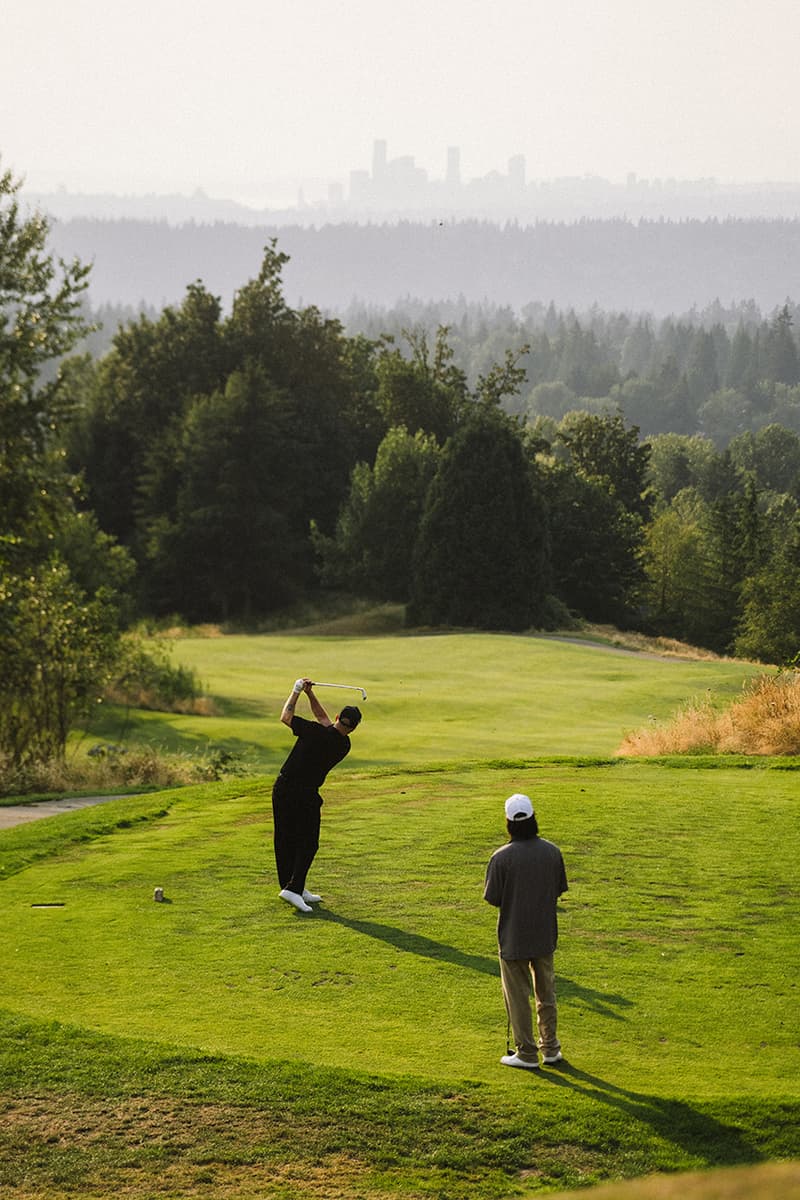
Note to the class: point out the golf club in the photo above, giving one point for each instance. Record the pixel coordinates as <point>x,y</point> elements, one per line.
<point>350,686</point>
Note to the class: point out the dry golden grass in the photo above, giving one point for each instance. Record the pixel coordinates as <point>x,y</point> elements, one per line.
<point>662,646</point>
<point>174,632</point>
<point>764,720</point>
<point>767,1181</point>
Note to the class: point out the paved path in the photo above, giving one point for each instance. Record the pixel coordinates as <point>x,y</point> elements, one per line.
<point>20,814</point>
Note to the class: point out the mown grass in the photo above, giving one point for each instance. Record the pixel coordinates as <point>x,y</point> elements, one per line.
<point>221,1044</point>
<point>429,697</point>
<point>222,1041</point>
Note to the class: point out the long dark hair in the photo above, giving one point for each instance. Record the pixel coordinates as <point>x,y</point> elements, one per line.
<point>522,831</point>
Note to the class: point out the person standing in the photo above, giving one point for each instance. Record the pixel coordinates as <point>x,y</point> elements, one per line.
<point>524,879</point>
<point>296,802</point>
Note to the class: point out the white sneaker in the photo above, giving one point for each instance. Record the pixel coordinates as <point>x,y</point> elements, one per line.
<point>293,898</point>
<point>514,1060</point>
<point>552,1058</point>
<point>311,897</point>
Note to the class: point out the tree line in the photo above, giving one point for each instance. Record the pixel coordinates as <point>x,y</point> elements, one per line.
<point>223,466</point>
<point>718,372</point>
<point>652,266</point>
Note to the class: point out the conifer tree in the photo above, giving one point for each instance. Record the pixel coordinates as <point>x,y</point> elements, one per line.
<point>481,556</point>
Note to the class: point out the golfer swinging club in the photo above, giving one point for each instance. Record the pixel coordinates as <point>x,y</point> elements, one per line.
<point>296,801</point>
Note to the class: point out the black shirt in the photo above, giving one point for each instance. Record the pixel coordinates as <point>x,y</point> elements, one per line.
<point>317,749</point>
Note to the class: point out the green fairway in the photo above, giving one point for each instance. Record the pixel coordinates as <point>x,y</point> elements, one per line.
<point>430,697</point>
<point>670,916</point>
<point>223,1044</point>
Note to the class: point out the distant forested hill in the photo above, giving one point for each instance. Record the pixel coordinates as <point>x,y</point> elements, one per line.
<point>657,267</point>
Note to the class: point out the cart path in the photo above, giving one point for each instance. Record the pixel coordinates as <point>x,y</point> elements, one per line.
<point>20,814</point>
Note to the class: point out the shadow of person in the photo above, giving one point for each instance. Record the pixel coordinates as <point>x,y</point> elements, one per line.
<point>698,1134</point>
<point>415,943</point>
<point>603,1003</point>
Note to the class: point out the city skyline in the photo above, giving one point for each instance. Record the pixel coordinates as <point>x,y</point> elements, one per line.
<point>396,188</point>
<point>254,101</point>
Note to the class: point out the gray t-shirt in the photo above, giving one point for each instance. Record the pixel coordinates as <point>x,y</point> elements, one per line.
<point>524,880</point>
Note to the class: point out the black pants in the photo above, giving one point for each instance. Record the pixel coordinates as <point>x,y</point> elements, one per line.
<point>296,815</point>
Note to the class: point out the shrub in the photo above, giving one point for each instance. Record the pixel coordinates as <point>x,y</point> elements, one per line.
<point>147,679</point>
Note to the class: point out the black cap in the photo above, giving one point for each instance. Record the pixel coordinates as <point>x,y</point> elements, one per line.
<point>351,714</point>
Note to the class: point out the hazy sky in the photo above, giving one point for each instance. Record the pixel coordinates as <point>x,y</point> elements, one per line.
<point>240,97</point>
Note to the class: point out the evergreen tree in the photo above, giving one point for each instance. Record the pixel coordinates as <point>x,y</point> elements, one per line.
<point>780,350</point>
<point>372,551</point>
<point>235,542</point>
<point>772,455</point>
<point>481,555</point>
<point>769,628</point>
<point>594,544</point>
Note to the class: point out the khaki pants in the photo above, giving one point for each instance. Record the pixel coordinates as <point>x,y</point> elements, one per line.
<point>517,975</point>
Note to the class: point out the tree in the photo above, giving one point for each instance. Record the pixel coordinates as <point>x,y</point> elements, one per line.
<point>601,448</point>
<point>702,375</point>
<point>780,351</point>
<point>725,414</point>
<point>769,628</point>
<point>40,321</point>
<point>678,567</point>
<point>594,546</point>
<point>772,454</point>
<point>638,400</point>
<point>742,368</point>
<point>677,462</point>
<point>329,383</point>
<point>553,399</point>
<point>59,628</point>
<point>372,551</point>
<point>424,392</point>
<point>481,556</point>
<point>289,381</point>
<point>584,366</point>
<point>143,388</point>
<point>737,545</point>
<point>57,650</point>
<point>235,542</point>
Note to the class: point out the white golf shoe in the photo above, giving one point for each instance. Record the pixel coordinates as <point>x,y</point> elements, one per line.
<point>293,898</point>
<point>514,1060</point>
<point>311,897</point>
<point>550,1059</point>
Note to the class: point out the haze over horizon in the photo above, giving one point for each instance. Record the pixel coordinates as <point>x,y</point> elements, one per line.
<point>253,101</point>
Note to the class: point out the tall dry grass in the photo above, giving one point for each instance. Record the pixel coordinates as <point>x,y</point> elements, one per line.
<point>765,1181</point>
<point>764,720</point>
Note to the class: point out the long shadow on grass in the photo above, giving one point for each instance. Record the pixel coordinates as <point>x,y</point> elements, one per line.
<point>602,1003</point>
<point>414,943</point>
<point>677,1122</point>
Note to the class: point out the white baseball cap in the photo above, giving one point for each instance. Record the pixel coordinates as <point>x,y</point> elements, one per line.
<point>518,807</point>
